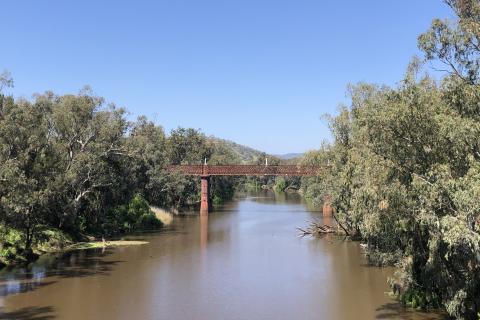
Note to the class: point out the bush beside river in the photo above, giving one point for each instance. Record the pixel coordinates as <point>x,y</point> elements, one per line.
<point>405,170</point>
<point>134,216</point>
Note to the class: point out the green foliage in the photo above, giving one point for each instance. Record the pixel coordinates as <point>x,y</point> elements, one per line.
<point>417,298</point>
<point>148,221</point>
<point>405,170</point>
<point>50,239</point>
<point>129,217</point>
<point>10,245</point>
<point>216,200</point>
<point>73,163</point>
<point>187,146</point>
<point>251,185</point>
<point>222,188</point>
<point>280,184</point>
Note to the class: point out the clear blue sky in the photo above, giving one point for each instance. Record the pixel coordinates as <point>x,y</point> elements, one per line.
<point>259,72</point>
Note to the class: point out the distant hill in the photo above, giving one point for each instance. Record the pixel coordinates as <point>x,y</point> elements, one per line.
<point>250,155</point>
<point>246,154</point>
<point>289,156</point>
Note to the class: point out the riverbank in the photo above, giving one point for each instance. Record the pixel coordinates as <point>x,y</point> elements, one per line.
<point>12,242</point>
<point>247,248</point>
<point>13,252</point>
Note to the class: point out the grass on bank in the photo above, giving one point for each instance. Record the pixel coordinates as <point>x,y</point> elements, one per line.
<point>163,215</point>
<point>101,244</point>
<point>135,216</point>
<point>12,249</point>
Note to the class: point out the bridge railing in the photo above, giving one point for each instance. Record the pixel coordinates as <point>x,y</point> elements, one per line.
<point>246,170</point>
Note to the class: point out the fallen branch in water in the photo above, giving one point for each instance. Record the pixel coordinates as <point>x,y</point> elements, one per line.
<point>341,226</point>
<point>316,229</point>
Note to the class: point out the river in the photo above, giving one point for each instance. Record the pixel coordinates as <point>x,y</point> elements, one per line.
<point>244,261</point>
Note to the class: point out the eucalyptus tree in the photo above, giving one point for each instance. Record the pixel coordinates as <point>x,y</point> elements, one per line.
<point>405,174</point>
<point>90,156</point>
<point>26,168</point>
<point>154,152</point>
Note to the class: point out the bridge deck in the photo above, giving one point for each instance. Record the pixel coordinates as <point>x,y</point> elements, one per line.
<point>246,170</point>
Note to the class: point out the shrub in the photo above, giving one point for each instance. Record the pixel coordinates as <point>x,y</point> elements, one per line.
<point>129,217</point>
<point>280,184</point>
<point>148,221</point>
<point>11,244</point>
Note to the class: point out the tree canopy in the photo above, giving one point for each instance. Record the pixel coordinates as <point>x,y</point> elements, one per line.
<point>76,164</point>
<point>405,174</point>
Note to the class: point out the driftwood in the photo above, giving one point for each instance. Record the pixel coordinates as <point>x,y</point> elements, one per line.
<point>316,229</point>
<point>341,226</point>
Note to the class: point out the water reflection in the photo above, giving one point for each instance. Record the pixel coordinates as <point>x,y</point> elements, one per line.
<point>67,265</point>
<point>243,261</point>
<point>203,232</point>
<point>29,313</point>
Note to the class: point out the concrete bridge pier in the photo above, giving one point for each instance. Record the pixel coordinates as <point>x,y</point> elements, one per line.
<point>205,195</point>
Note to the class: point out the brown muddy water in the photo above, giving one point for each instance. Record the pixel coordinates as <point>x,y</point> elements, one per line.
<point>245,261</point>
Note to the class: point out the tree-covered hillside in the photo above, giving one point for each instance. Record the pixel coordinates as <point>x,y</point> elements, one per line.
<point>244,154</point>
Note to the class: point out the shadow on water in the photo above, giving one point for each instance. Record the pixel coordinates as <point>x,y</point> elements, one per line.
<point>29,313</point>
<point>43,272</point>
<point>395,310</point>
<point>13,288</point>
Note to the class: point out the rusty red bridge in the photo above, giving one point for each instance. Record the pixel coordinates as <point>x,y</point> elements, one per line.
<point>205,171</point>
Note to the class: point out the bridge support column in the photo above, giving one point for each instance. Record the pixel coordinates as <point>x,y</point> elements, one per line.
<point>327,209</point>
<point>205,195</point>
